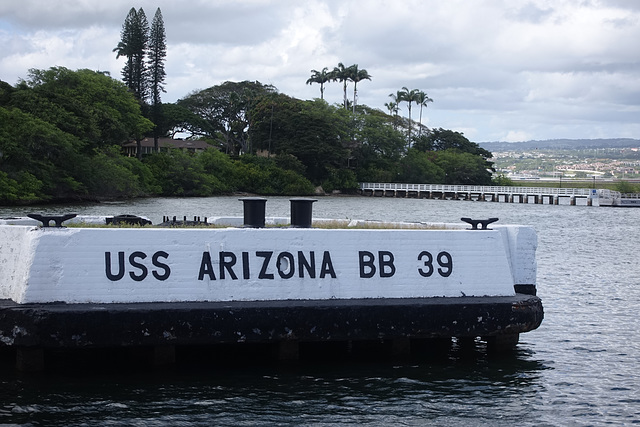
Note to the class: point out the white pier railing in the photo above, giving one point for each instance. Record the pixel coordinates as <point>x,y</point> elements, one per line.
<point>541,195</point>
<point>475,188</point>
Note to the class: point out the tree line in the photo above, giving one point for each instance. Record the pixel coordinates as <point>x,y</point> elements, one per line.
<point>62,132</point>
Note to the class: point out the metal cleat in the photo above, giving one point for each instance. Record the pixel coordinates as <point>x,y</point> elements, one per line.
<point>46,219</point>
<point>482,222</point>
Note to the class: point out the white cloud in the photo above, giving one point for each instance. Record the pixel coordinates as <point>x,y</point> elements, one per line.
<point>496,69</point>
<point>516,136</point>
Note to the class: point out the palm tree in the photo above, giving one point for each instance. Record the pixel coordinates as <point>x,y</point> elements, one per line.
<point>355,76</point>
<point>320,77</point>
<point>422,100</point>
<point>396,100</point>
<point>392,107</point>
<point>410,96</point>
<point>341,74</point>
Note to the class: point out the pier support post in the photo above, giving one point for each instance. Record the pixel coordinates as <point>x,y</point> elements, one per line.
<point>502,343</point>
<point>29,359</point>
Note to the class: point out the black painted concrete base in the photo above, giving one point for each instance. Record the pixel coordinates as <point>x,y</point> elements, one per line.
<point>163,326</point>
<point>153,331</point>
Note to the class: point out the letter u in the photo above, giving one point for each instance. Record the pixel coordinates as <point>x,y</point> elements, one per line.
<point>107,266</point>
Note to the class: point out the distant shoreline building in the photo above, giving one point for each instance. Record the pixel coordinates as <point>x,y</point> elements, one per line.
<point>165,144</point>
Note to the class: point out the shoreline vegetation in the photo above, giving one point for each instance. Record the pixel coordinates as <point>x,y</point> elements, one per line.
<point>63,135</point>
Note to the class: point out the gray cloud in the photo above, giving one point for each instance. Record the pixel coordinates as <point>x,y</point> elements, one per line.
<point>496,69</point>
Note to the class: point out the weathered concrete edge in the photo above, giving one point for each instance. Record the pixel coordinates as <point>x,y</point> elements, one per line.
<point>135,324</point>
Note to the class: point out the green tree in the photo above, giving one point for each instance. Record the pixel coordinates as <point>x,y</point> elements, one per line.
<point>502,181</point>
<point>409,96</point>
<point>379,147</point>
<point>125,47</point>
<point>5,92</point>
<point>157,74</point>
<point>53,125</point>
<point>422,100</point>
<point>342,74</point>
<point>396,99</point>
<point>181,174</point>
<point>262,175</point>
<point>463,168</point>
<point>312,131</point>
<point>343,180</point>
<point>39,161</point>
<point>134,39</point>
<point>321,77</point>
<point>110,175</point>
<point>176,119</point>
<point>90,105</point>
<point>392,107</point>
<point>26,188</point>
<point>356,75</point>
<point>445,139</point>
<point>463,161</point>
<point>221,166</point>
<point>419,167</point>
<point>225,112</point>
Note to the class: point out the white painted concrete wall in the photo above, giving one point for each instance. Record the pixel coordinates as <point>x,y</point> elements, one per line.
<point>522,243</point>
<point>72,264</point>
<point>17,248</point>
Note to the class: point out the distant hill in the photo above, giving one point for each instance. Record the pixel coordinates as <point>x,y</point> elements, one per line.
<point>561,144</point>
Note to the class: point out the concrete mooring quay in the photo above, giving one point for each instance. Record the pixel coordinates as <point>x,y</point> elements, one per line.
<point>532,195</point>
<point>159,291</point>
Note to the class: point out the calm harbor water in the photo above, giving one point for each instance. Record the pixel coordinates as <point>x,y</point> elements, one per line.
<point>579,368</point>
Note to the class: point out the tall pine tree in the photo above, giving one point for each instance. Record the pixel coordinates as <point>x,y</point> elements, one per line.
<point>125,47</point>
<point>155,63</point>
<point>133,45</point>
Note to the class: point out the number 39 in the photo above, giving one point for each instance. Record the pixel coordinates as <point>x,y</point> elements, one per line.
<point>444,260</point>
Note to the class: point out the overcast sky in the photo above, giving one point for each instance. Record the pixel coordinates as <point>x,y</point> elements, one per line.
<point>497,70</point>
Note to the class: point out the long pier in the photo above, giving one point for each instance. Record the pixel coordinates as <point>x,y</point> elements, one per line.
<point>532,195</point>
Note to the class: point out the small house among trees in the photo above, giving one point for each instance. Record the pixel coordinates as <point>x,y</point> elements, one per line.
<point>165,144</point>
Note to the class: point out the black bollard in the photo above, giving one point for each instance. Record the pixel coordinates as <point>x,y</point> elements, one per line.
<point>301,209</point>
<point>254,211</point>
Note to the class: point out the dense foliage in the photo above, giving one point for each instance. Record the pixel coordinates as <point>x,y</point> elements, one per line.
<point>62,131</point>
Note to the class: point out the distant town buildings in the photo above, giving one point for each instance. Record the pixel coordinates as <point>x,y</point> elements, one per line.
<point>618,163</point>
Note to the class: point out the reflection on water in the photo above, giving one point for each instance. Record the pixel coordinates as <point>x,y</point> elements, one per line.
<point>578,368</point>
<point>462,388</point>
